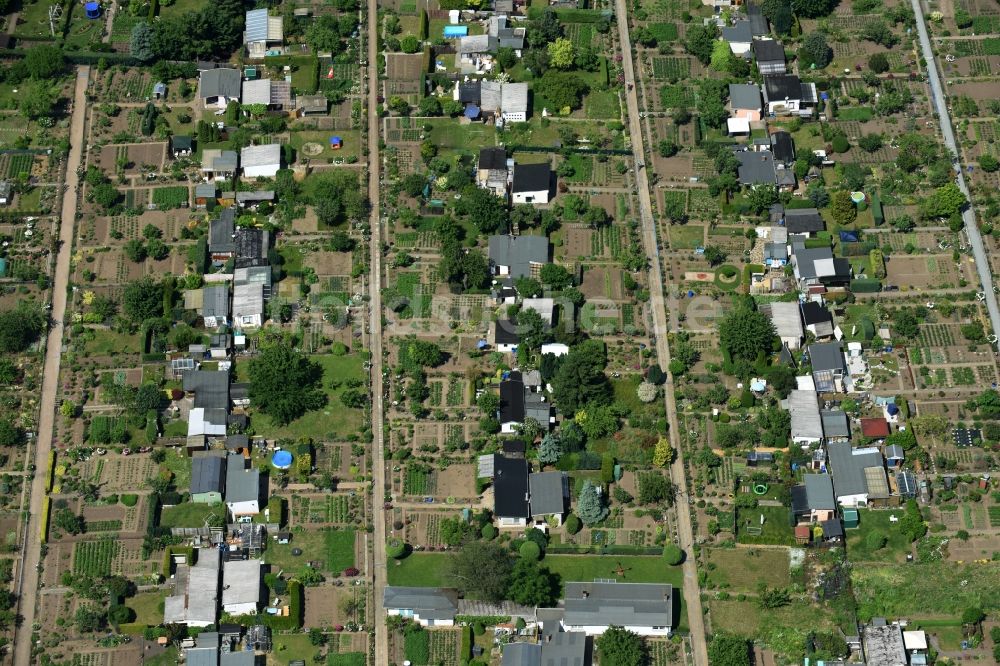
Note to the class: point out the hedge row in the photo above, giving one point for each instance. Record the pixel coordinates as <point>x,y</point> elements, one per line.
<point>43,529</point>
<point>168,556</point>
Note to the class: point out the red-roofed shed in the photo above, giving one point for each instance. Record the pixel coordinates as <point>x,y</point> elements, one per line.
<point>874,428</point>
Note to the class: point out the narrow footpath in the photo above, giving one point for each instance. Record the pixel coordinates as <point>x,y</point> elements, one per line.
<point>31,551</point>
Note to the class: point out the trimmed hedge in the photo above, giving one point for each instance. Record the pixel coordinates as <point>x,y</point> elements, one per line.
<point>867,286</point>
<point>168,554</point>
<point>43,525</point>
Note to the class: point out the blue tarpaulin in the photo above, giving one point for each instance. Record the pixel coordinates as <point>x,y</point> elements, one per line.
<point>849,237</point>
<point>471,111</point>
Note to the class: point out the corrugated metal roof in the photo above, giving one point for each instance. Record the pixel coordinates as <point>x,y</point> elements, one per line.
<point>258,156</point>
<point>256,26</point>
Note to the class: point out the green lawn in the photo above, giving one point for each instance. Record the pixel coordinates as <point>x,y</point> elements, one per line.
<point>167,658</point>
<point>687,237</point>
<point>419,570</point>
<point>339,549</point>
<point>776,529</point>
<point>446,133</point>
<point>946,589</point>
<point>190,514</point>
<point>312,543</point>
<point>784,629</point>
<point>102,342</point>
<point>895,548</point>
<point>148,607</point>
<point>602,104</point>
<point>289,647</point>
<point>332,422</point>
<point>351,146</point>
<point>178,463</point>
<point>740,571</point>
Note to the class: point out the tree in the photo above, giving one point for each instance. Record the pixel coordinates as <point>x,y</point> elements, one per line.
<point>506,57</point>
<point>44,61</point>
<point>547,29</point>
<point>20,327</point>
<point>870,142</point>
<point>563,89</point>
<point>944,201</point>
<point>141,42</point>
<point>142,299</point>
<point>973,331</point>
<point>762,197</point>
<point>714,254</point>
<point>988,163</point>
<point>655,488</point>
<point>529,550</point>
<point>284,383</point>
<point>729,650</point>
<point>573,524</point>
<point>429,106</point>
<point>485,210</point>
<point>912,525</point>
<point>721,54</point>
<point>813,8</point>
<point>655,375</point>
<point>745,332</point>
<point>618,646</point>
<point>699,42</point>
<point>561,53</point>
<point>395,548</point>
<point>879,32</point>
<point>580,379</point>
<point>550,450</point>
<point>816,49</point>
<point>973,615</point>
<point>423,353</point>
<point>673,555</point>
<point>779,14</point>
<point>712,105</point>
<point>482,569</point>
<point>878,63</point>
<point>134,250</point>
<point>10,435</point>
<point>555,276</point>
<point>842,208</point>
<point>89,619</point>
<point>36,99</point>
<point>818,195</point>
<point>409,44</point>
<point>663,454</point>
<point>533,585</point>
<point>337,198</point>
<point>68,522</point>
<point>590,506</point>
<point>667,148</point>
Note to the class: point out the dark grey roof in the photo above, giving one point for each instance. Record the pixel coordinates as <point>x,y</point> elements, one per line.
<point>548,492</point>
<point>510,487</point>
<point>832,529</point>
<point>522,654</point>
<point>514,446</point>
<point>251,246</point>
<point>768,50</point>
<point>505,332</point>
<point>237,658</point>
<point>783,147</point>
<point>428,602</point>
<point>819,492</point>
<point>221,230</point>
<point>738,32</point>
<point>468,93</point>
<point>493,158</point>
<point>518,253</point>
<point>744,96</point>
<point>835,423</point>
<point>210,388</point>
<point>255,196</point>
<point>215,301</point>
<point>894,451</point>
<point>781,87</point>
<point>531,177</point>
<point>906,484</point>
<point>758,24</point>
<point>237,442</point>
<point>826,356</point>
<point>205,191</point>
<point>802,220</point>
<point>512,399</point>
<point>181,142</point>
<point>800,500</point>
<point>778,251</point>
<point>207,474</point>
<point>623,604</point>
<point>242,484</point>
<point>807,258</point>
<point>537,407</point>
<point>848,467</point>
<point>221,82</point>
<point>814,313</point>
<point>756,168</point>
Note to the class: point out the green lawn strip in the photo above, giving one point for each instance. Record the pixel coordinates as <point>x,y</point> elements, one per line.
<point>312,543</point>
<point>190,514</point>
<point>148,607</point>
<point>289,647</point>
<point>892,590</point>
<point>339,549</point>
<point>776,529</point>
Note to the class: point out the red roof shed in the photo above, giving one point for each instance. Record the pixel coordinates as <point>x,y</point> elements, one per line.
<point>874,428</point>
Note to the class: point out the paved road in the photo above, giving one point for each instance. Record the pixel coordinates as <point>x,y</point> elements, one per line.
<point>685,534</point>
<point>375,332</point>
<point>969,214</point>
<point>31,554</point>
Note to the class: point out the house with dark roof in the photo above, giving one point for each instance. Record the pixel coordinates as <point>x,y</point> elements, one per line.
<point>312,105</point>
<point>243,491</point>
<point>510,491</point>
<point>836,425</point>
<point>858,475</point>
<point>738,36</point>
<point>804,221</point>
<point>252,247</point>
<point>818,266</point>
<point>208,478</point>
<point>756,168</point>
<point>518,256</point>
<point>783,149</point>
<point>817,319</point>
<point>590,608</point>
<point>513,448</point>
<point>770,57</point>
<point>786,94</point>
<point>221,246</point>
<point>215,305</point>
<point>561,648</point>
<point>205,193</point>
<point>218,164</point>
<point>744,101</point>
<point>210,388</point>
<point>181,145</point>
<point>828,366</point>
<point>548,495</point>
<point>493,170</point>
<point>428,606</point>
<point>518,403</point>
<point>220,86</point>
<point>758,23</point>
<point>531,184</point>
<point>505,336</point>
<point>813,500</point>
<point>507,36</point>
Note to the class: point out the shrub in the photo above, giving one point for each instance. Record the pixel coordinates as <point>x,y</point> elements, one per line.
<point>479,629</point>
<point>840,144</point>
<point>489,532</point>
<point>395,548</point>
<point>529,550</point>
<point>573,524</point>
<point>673,555</point>
<point>129,500</point>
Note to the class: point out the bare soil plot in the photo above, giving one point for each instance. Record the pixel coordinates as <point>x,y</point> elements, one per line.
<point>404,67</point>
<point>600,282</point>
<point>329,263</point>
<point>458,481</point>
<point>981,91</point>
<point>578,241</point>
<point>921,272</point>
<point>976,548</point>
<point>325,604</point>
